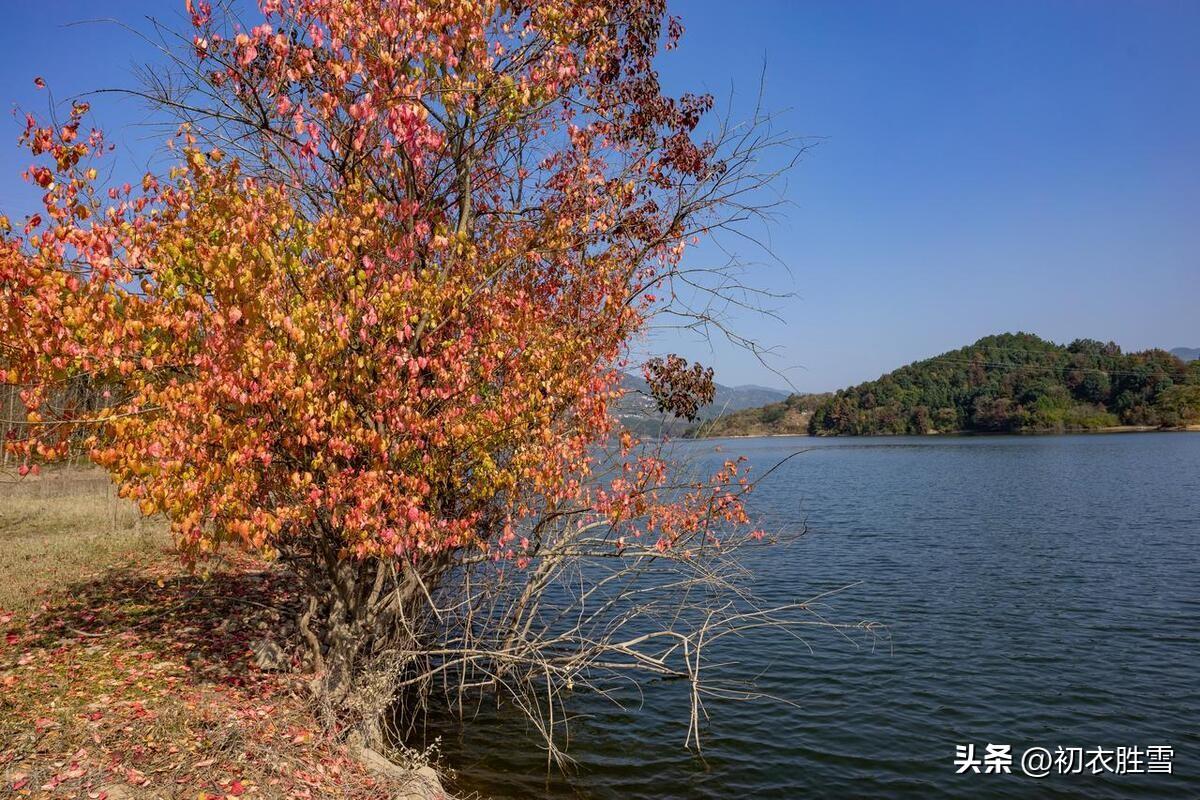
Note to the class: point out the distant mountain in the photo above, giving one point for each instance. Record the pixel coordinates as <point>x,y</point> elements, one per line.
<point>736,398</point>
<point>638,411</point>
<point>1019,382</point>
<point>1187,353</point>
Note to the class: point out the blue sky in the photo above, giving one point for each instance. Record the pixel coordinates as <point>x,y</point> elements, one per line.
<point>979,167</point>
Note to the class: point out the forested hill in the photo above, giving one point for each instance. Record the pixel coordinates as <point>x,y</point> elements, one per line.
<point>1019,382</point>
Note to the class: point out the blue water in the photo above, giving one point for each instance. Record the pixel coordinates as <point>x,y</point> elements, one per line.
<point>1036,591</point>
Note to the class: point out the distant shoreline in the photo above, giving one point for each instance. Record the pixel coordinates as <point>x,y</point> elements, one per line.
<point>1064,432</point>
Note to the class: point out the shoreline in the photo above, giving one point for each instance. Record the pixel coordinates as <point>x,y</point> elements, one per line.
<point>1065,432</point>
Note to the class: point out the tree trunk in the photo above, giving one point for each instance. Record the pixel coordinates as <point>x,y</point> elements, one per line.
<point>361,627</point>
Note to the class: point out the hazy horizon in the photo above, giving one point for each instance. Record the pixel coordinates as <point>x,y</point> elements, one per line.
<point>779,386</point>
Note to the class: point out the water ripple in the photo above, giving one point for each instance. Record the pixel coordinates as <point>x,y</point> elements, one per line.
<point>1037,591</point>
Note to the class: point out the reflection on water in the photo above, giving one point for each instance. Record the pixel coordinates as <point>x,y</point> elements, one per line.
<point>1037,591</point>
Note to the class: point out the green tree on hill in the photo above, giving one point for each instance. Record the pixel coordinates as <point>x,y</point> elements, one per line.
<point>1019,382</point>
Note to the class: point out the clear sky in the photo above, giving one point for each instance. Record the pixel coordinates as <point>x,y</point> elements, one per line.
<point>978,168</point>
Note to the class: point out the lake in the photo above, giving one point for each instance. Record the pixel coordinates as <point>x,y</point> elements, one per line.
<point>1036,591</point>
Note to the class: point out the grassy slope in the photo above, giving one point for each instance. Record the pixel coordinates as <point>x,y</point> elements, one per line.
<point>59,530</point>
<point>124,677</point>
<point>785,418</point>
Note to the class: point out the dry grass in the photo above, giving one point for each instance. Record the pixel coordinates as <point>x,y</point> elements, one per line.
<point>63,527</point>
<point>122,676</point>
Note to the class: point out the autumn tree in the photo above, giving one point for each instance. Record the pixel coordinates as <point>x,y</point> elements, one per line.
<point>370,324</point>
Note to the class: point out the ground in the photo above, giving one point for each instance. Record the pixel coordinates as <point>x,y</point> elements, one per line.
<point>125,676</point>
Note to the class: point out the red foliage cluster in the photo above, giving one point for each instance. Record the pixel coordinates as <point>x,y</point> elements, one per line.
<point>397,318</point>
